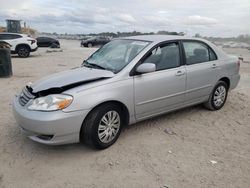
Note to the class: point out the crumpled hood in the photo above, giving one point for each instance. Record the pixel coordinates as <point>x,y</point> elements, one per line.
<point>69,79</point>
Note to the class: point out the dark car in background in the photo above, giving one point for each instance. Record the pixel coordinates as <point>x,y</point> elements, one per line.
<point>95,41</point>
<point>47,42</point>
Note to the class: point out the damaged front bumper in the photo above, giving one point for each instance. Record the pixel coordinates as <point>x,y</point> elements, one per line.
<point>52,128</point>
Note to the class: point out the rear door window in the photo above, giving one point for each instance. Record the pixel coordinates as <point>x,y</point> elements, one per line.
<point>41,39</point>
<point>15,36</point>
<point>212,55</point>
<point>198,52</point>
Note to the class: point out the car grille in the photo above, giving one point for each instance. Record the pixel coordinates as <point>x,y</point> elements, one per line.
<point>25,97</point>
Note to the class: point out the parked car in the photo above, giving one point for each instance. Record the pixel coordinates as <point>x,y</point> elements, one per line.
<point>48,42</point>
<point>126,81</point>
<point>21,44</point>
<point>95,41</point>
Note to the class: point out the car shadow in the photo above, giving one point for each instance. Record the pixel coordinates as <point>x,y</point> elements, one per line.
<point>31,56</point>
<point>81,148</point>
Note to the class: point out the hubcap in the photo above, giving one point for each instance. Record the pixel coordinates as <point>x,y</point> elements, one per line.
<point>219,96</point>
<point>23,52</point>
<point>109,126</point>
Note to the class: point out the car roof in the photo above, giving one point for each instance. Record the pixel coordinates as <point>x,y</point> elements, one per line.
<point>161,38</point>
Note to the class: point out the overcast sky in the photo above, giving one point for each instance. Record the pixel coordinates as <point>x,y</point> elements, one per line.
<point>207,17</point>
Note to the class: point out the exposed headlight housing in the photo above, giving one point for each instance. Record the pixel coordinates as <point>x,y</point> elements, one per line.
<point>50,102</point>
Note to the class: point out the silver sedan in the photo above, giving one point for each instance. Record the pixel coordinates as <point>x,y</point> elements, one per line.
<point>125,81</point>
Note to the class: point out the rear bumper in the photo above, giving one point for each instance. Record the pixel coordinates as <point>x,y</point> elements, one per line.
<point>33,50</point>
<point>52,128</point>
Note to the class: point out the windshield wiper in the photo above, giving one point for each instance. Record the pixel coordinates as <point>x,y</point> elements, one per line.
<point>93,65</point>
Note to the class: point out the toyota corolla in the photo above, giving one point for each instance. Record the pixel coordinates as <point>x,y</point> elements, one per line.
<point>125,81</point>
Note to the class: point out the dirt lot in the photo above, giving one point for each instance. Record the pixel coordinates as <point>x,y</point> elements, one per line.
<point>173,150</point>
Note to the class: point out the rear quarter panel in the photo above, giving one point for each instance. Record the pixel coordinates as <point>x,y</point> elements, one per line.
<point>232,69</point>
<point>228,66</point>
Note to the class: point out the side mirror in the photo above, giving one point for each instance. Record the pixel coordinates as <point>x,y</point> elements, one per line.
<point>146,68</point>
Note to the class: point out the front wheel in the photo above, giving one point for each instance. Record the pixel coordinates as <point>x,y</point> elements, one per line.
<point>218,96</point>
<point>102,126</point>
<point>23,51</point>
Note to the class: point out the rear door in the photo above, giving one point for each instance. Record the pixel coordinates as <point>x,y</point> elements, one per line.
<point>163,90</point>
<point>202,69</point>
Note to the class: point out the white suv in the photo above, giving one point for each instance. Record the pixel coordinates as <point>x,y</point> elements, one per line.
<point>21,44</point>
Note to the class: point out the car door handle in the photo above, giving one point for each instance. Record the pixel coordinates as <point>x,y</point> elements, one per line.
<point>179,73</point>
<point>214,66</point>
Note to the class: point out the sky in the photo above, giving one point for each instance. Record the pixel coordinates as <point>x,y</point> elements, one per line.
<point>222,18</point>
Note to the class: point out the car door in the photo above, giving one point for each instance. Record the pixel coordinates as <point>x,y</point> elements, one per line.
<point>39,41</point>
<point>46,42</point>
<point>49,41</point>
<point>163,90</point>
<point>42,42</point>
<point>104,40</point>
<point>202,71</point>
<point>101,41</point>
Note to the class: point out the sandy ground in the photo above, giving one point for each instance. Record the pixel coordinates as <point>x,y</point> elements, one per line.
<point>173,150</point>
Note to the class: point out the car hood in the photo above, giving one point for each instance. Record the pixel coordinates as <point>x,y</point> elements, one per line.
<point>59,82</point>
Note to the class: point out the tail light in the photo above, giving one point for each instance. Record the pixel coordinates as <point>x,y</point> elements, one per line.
<point>238,63</point>
<point>240,59</point>
<point>32,41</point>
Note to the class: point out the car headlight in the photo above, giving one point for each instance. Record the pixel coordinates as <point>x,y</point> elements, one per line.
<point>51,102</point>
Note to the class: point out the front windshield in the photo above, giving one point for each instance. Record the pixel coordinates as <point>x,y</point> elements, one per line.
<point>115,55</point>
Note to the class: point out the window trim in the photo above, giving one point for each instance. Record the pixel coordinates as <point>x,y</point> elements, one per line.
<point>10,36</point>
<point>201,42</point>
<point>211,50</point>
<point>133,70</point>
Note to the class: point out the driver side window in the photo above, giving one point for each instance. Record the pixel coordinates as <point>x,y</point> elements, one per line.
<point>164,56</point>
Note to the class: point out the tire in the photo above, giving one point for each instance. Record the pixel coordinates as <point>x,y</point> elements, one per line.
<point>90,45</point>
<point>54,45</point>
<point>220,92</point>
<point>95,132</point>
<point>23,51</point>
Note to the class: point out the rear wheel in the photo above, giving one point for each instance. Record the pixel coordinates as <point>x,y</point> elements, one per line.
<point>90,45</point>
<point>218,96</point>
<point>23,51</point>
<point>102,126</point>
<point>55,45</point>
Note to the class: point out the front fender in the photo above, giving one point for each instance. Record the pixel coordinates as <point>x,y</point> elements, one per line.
<point>121,91</point>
